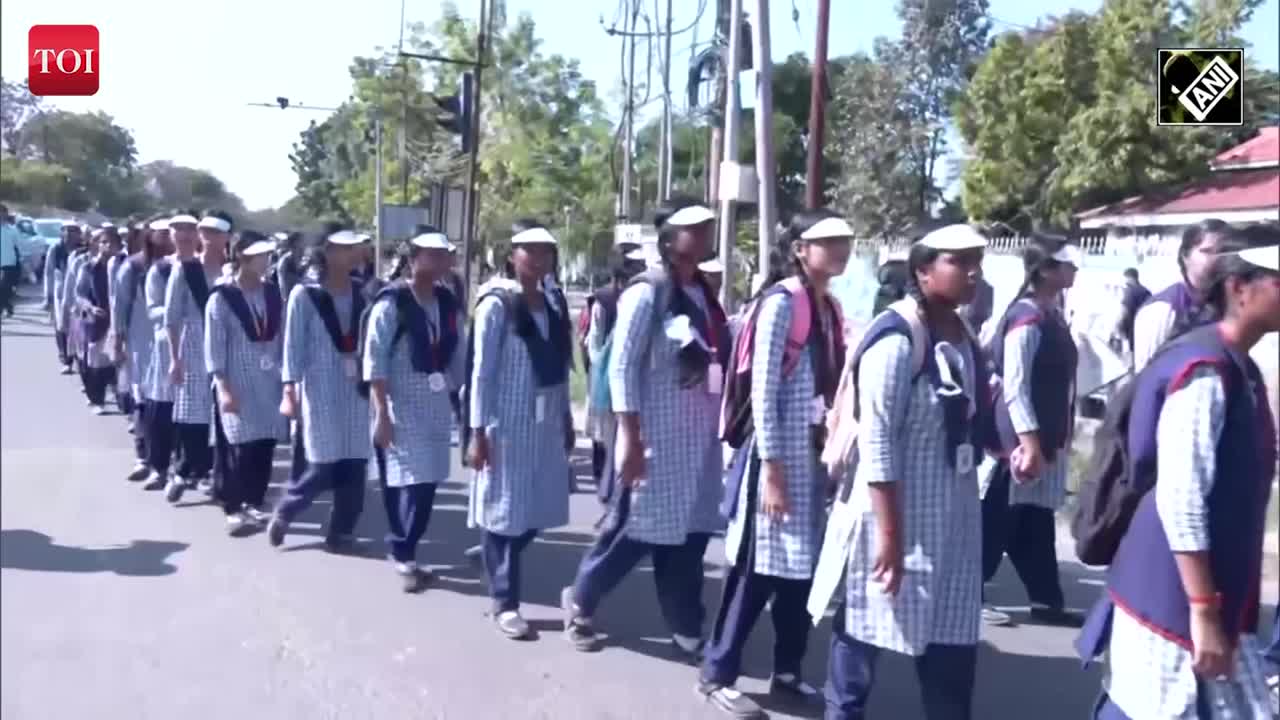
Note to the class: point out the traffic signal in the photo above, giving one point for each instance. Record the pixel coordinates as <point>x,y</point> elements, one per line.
<point>283,102</point>
<point>458,109</point>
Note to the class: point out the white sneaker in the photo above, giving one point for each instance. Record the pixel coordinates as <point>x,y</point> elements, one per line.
<point>237,522</point>
<point>99,410</point>
<point>174,489</point>
<point>258,515</point>
<point>513,625</point>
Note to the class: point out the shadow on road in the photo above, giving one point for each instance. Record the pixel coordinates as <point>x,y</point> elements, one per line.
<point>31,550</point>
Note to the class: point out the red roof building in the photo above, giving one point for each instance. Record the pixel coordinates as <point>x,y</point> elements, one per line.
<point>1244,187</point>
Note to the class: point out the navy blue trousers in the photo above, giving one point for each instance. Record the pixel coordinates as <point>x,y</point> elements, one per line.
<point>196,454</point>
<point>96,382</point>
<point>945,672</point>
<point>501,555</point>
<point>1028,535</point>
<point>345,478</point>
<point>245,474</point>
<point>160,432</point>
<point>745,595</point>
<point>677,572</point>
<point>60,341</point>
<point>408,512</point>
<point>299,464</point>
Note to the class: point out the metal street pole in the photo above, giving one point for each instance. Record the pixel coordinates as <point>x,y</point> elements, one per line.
<point>817,109</point>
<point>764,135</point>
<point>629,140</point>
<point>732,113</point>
<point>377,194</point>
<point>664,160</point>
<point>471,202</point>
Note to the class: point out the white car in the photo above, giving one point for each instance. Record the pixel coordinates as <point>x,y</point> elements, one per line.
<point>46,232</point>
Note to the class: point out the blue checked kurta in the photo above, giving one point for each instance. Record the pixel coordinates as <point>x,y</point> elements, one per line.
<point>902,439</point>
<point>684,465</point>
<point>156,385</point>
<point>97,354</point>
<point>422,420</point>
<point>193,398</point>
<point>252,370</point>
<point>1050,489</point>
<point>782,408</point>
<point>1149,677</point>
<point>130,321</point>
<point>335,419</point>
<point>525,486</point>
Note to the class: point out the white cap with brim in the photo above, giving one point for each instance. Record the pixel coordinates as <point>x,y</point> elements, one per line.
<point>638,254</point>
<point>1069,254</point>
<point>182,220</point>
<point>261,247</point>
<point>70,223</point>
<point>711,266</point>
<point>533,236</point>
<point>106,226</point>
<point>692,215</point>
<point>364,237</point>
<point>953,238</point>
<point>345,237</point>
<point>210,222</point>
<point>281,236</point>
<point>1267,257</point>
<point>828,228</point>
<point>432,241</point>
<point>159,225</point>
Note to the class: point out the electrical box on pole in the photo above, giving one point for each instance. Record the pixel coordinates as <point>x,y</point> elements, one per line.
<point>458,109</point>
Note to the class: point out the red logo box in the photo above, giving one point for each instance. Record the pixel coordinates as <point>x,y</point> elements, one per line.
<point>63,60</point>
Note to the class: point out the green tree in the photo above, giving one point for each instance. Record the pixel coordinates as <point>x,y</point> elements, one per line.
<point>17,106</point>
<point>99,155</point>
<point>316,187</point>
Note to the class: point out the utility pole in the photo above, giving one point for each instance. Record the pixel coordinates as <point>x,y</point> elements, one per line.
<point>377,192</point>
<point>715,147</point>
<point>732,113</point>
<point>628,141</point>
<point>664,160</point>
<point>471,201</point>
<point>764,136</point>
<point>817,110</point>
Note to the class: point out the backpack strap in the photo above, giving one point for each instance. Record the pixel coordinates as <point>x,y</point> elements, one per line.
<point>801,322</point>
<point>909,310</point>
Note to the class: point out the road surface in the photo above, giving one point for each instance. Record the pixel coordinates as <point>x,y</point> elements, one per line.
<point>118,606</point>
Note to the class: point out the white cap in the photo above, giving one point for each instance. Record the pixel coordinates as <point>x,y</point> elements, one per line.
<point>182,220</point>
<point>281,236</point>
<point>692,215</point>
<point>954,237</point>
<point>345,237</point>
<point>160,224</point>
<point>533,236</point>
<point>1267,257</point>
<point>637,254</point>
<point>1069,254</point>
<point>262,247</point>
<point>70,223</point>
<point>826,228</point>
<point>711,266</point>
<point>214,223</point>
<point>432,241</point>
<point>106,226</point>
<point>364,237</point>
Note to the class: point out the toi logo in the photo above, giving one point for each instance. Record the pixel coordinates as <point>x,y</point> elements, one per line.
<point>63,60</point>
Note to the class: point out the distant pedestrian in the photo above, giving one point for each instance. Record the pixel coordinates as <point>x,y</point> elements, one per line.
<point>1135,296</point>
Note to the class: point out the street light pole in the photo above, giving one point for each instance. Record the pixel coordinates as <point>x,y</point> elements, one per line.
<point>764,136</point>
<point>377,193</point>
<point>817,109</point>
<point>732,113</point>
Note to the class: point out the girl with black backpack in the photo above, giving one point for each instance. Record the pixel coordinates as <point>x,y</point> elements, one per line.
<point>1179,617</point>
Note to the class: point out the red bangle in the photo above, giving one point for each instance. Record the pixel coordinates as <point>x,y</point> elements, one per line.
<point>1214,600</point>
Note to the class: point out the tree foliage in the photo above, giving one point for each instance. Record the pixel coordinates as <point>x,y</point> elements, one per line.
<point>1062,118</point>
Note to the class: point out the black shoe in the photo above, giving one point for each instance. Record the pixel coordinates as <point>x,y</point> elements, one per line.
<point>577,629</point>
<point>276,530</point>
<point>1058,617</point>
<point>730,700</point>
<point>793,688</point>
<point>340,545</point>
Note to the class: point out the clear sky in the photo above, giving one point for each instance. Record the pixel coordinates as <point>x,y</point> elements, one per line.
<point>178,73</point>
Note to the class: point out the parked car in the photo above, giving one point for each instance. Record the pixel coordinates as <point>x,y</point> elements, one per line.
<point>47,233</point>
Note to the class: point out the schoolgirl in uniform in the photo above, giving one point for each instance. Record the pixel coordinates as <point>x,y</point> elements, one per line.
<point>93,300</point>
<point>520,418</point>
<point>71,310</point>
<point>321,375</point>
<point>413,363</point>
<point>242,348</point>
<point>666,374</point>
<point>1035,356</point>
<point>775,529</point>
<point>125,399</point>
<point>161,433</point>
<point>55,278</point>
<point>911,581</point>
<point>1180,615</point>
<point>135,333</point>
<point>186,296</point>
<point>1175,309</point>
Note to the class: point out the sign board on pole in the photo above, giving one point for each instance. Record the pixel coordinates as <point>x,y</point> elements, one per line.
<point>399,221</point>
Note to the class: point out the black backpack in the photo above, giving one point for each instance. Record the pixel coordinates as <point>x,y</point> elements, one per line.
<point>1109,494</point>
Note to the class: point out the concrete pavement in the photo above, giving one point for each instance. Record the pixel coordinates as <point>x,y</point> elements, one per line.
<point>119,606</point>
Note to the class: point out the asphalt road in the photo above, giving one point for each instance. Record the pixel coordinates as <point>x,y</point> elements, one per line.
<point>119,606</point>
